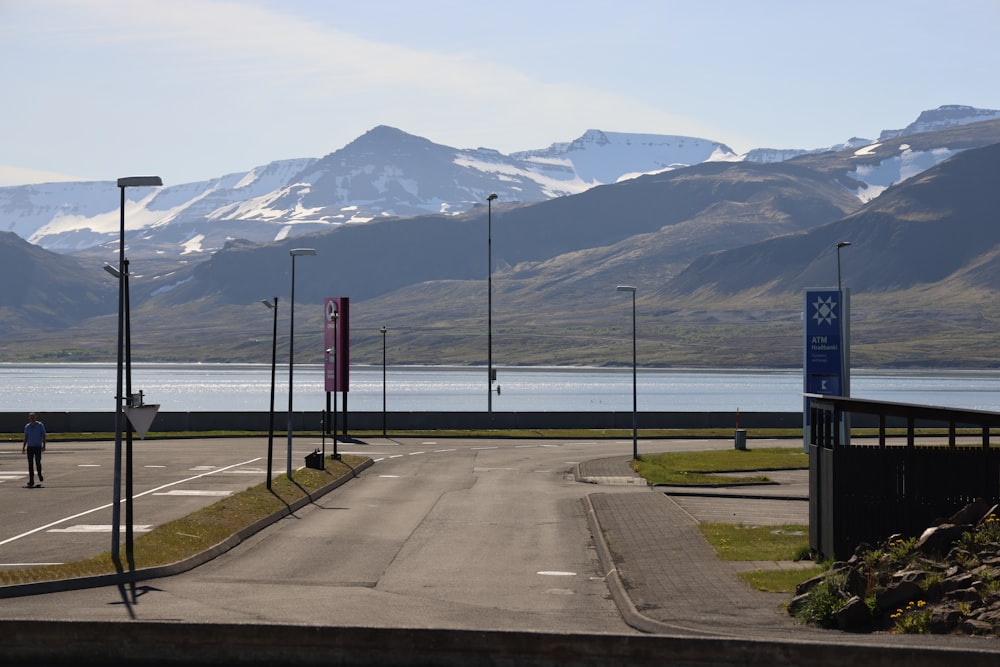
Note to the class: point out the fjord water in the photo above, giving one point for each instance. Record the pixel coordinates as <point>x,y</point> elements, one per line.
<point>247,387</point>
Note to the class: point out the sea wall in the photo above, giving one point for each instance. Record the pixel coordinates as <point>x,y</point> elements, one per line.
<point>82,422</point>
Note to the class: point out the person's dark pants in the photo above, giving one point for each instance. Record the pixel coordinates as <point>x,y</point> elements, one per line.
<point>34,461</point>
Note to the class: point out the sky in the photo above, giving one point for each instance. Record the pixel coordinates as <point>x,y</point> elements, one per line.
<point>195,89</point>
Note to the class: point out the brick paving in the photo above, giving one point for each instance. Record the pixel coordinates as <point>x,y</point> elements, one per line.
<point>673,581</point>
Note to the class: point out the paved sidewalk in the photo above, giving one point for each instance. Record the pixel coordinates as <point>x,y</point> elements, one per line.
<point>666,578</point>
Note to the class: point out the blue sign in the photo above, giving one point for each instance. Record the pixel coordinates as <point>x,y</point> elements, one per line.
<point>824,342</point>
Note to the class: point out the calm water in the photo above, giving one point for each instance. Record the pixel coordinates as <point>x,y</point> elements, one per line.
<point>247,387</point>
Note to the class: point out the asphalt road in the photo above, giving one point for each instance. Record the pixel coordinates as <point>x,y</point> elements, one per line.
<point>458,534</point>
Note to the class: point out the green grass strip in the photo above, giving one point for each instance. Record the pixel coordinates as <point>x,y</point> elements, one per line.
<point>696,468</point>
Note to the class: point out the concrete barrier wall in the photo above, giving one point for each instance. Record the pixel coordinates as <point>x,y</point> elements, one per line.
<point>77,644</point>
<point>104,422</point>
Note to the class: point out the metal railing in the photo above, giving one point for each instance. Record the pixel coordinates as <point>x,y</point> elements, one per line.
<point>861,492</point>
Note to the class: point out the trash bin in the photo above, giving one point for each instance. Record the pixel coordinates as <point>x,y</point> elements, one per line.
<point>314,460</point>
<point>741,439</point>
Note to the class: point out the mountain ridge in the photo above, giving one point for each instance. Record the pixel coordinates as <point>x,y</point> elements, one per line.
<point>718,251</point>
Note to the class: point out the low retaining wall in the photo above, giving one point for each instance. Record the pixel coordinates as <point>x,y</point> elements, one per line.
<point>79,644</point>
<point>104,422</point>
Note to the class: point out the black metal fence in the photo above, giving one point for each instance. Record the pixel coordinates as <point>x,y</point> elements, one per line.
<point>868,492</point>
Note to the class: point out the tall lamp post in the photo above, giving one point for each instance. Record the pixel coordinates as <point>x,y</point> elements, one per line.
<point>294,252</point>
<point>840,244</point>
<point>274,363</point>
<point>489,302</point>
<point>383,331</point>
<point>635,402</point>
<point>123,383</point>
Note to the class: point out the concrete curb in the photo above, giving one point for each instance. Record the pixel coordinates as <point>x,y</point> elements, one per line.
<point>622,600</point>
<point>672,490</point>
<point>144,574</point>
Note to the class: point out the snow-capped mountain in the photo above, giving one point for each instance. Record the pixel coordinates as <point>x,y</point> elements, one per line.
<point>383,173</point>
<point>389,173</point>
<point>949,115</point>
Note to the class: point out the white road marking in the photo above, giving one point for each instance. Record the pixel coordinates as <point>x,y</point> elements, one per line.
<point>484,448</point>
<point>444,450</point>
<point>192,492</point>
<point>98,528</point>
<point>556,573</point>
<point>89,465</point>
<point>27,564</point>
<point>415,453</point>
<point>104,507</point>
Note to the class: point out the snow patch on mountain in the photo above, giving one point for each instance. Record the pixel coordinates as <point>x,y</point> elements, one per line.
<point>604,157</point>
<point>905,164</point>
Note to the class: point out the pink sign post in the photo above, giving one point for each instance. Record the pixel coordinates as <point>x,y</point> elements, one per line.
<point>337,355</point>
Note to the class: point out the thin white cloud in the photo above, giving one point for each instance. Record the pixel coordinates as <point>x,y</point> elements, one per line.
<point>245,67</point>
<point>21,176</point>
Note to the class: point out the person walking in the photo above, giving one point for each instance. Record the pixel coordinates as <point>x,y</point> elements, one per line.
<point>34,444</point>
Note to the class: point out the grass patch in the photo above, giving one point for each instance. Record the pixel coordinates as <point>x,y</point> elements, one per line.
<point>180,539</point>
<point>737,542</point>
<point>697,468</point>
<point>742,542</point>
<point>780,581</point>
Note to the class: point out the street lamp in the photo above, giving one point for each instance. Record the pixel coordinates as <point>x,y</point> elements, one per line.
<point>124,382</point>
<point>383,331</point>
<point>635,403</point>
<point>274,362</point>
<point>840,244</point>
<point>489,302</point>
<point>294,252</point>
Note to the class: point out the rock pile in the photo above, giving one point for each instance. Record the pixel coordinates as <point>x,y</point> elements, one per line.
<point>945,581</point>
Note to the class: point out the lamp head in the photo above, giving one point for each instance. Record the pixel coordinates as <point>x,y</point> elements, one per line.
<point>492,197</point>
<point>843,244</point>
<point>113,271</point>
<point>626,288</point>
<point>139,181</point>
<point>270,304</point>
<point>299,252</point>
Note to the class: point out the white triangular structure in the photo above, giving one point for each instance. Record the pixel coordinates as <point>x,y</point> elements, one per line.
<point>141,417</point>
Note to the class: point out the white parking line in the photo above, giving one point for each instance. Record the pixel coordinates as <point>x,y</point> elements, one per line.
<point>103,507</point>
<point>98,528</point>
<point>192,492</point>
